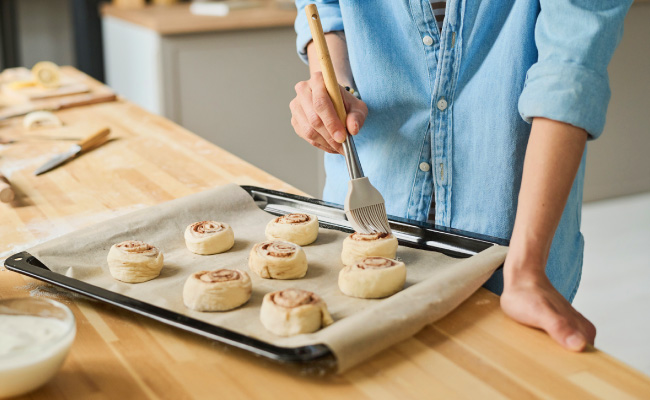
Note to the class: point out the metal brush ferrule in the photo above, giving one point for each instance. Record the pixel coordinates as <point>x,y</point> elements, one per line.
<point>352,158</point>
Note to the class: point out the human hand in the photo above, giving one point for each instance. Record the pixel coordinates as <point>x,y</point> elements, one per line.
<point>530,299</point>
<point>314,118</point>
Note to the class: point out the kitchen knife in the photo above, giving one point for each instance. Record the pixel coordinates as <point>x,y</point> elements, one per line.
<point>85,144</point>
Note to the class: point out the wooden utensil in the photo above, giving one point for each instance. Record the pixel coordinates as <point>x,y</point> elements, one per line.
<point>78,101</point>
<point>86,100</point>
<point>7,193</point>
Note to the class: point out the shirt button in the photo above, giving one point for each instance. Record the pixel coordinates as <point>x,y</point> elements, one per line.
<point>424,167</point>
<point>428,40</point>
<point>442,104</point>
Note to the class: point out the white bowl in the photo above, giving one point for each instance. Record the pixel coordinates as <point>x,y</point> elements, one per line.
<point>35,337</point>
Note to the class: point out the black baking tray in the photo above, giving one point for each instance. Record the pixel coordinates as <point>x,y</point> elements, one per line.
<point>317,357</point>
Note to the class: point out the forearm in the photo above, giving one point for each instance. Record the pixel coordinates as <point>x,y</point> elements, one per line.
<point>552,160</point>
<point>338,49</point>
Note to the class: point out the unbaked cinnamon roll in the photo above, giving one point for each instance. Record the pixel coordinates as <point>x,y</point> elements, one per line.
<point>301,229</point>
<point>293,311</point>
<point>372,278</point>
<point>277,259</point>
<point>360,245</point>
<point>209,237</point>
<point>219,290</point>
<point>134,261</point>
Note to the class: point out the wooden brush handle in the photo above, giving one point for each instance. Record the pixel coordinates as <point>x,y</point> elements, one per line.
<point>95,139</point>
<point>6,191</point>
<point>327,68</point>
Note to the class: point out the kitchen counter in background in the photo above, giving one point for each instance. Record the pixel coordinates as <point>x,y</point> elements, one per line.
<point>177,19</point>
<point>229,79</point>
<point>475,352</point>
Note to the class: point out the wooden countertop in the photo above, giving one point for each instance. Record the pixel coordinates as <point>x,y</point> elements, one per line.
<point>177,19</point>
<point>475,352</point>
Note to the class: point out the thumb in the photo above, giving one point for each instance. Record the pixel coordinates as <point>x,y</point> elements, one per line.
<point>562,330</point>
<point>356,117</point>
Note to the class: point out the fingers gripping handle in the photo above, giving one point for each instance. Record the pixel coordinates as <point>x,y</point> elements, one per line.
<point>332,86</point>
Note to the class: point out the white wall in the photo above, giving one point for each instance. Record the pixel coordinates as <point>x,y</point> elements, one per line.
<point>618,162</point>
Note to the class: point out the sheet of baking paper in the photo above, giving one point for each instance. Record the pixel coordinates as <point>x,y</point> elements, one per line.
<point>436,284</point>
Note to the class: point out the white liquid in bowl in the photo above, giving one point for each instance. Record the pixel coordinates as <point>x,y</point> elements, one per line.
<point>31,351</point>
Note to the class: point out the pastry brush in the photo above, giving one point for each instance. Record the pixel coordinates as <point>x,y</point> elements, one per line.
<point>364,205</point>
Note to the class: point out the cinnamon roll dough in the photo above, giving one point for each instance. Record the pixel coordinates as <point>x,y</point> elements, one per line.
<point>134,261</point>
<point>301,229</point>
<point>277,259</point>
<point>360,245</point>
<point>372,278</point>
<point>209,237</point>
<point>293,311</point>
<point>219,290</point>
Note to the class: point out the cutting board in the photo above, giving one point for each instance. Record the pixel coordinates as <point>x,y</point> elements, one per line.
<point>69,86</point>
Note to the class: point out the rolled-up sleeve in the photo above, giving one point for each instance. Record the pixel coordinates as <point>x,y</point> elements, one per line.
<point>330,18</point>
<point>575,41</point>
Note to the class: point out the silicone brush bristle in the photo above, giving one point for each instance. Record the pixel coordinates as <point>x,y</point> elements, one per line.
<point>370,219</point>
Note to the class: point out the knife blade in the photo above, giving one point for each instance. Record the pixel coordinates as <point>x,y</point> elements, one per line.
<point>59,159</point>
<point>85,144</point>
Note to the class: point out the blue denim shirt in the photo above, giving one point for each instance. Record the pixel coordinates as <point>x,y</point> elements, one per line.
<point>450,111</point>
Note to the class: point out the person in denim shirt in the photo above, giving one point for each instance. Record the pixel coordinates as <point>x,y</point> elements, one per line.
<point>486,119</point>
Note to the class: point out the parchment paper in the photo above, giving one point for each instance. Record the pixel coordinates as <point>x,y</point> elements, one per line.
<point>436,284</point>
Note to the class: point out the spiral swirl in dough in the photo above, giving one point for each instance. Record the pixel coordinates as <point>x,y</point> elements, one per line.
<point>301,229</point>
<point>277,259</point>
<point>360,245</point>
<point>372,278</point>
<point>219,290</point>
<point>293,311</point>
<point>209,237</point>
<point>134,261</point>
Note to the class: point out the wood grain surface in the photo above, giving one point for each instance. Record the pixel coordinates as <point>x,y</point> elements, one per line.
<point>475,352</point>
<point>177,19</point>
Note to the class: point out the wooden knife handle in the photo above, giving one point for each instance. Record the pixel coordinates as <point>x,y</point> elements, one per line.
<point>6,191</point>
<point>95,139</point>
<point>327,68</point>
